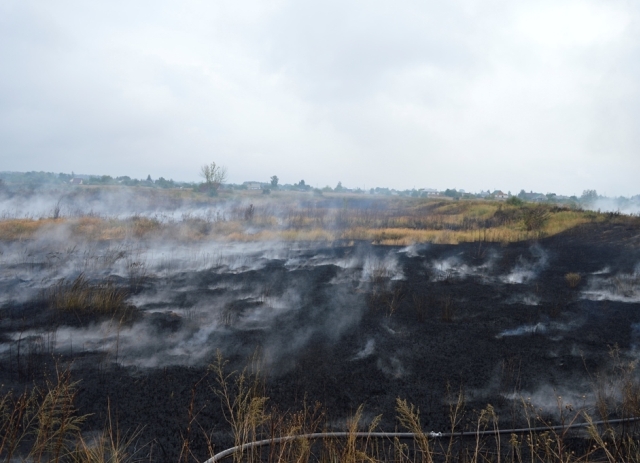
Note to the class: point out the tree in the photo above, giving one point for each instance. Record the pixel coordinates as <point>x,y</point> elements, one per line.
<point>451,193</point>
<point>589,196</point>
<point>274,181</point>
<point>515,201</point>
<point>214,175</point>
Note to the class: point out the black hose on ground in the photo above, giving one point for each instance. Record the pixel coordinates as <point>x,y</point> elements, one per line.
<point>405,435</point>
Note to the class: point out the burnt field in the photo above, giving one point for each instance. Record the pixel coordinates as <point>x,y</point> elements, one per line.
<point>138,323</point>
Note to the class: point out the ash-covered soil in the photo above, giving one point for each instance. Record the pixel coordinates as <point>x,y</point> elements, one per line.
<point>342,325</point>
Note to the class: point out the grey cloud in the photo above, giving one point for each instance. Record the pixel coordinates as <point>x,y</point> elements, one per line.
<point>533,95</point>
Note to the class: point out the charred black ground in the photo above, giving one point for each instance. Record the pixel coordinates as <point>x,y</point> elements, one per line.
<point>493,320</point>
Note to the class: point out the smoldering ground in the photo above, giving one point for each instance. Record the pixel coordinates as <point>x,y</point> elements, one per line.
<point>340,324</point>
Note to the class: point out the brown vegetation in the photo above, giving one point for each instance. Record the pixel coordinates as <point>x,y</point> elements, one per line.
<point>285,216</point>
<point>84,298</point>
<point>573,279</point>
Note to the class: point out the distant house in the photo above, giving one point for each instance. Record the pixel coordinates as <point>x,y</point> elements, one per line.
<point>498,194</point>
<point>253,185</point>
<point>429,192</point>
<point>76,181</point>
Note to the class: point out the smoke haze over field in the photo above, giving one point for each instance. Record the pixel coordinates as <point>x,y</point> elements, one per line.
<point>475,95</point>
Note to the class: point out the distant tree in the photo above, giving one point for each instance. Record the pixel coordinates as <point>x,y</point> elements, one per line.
<point>164,183</point>
<point>339,187</point>
<point>589,196</point>
<point>522,194</point>
<point>274,181</point>
<point>451,193</point>
<point>149,178</point>
<point>214,176</point>
<point>301,185</point>
<point>515,201</point>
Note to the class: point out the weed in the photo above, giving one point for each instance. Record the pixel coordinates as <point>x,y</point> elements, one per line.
<point>243,405</point>
<point>41,422</point>
<point>573,279</point>
<point>420,306</point>
<point>447,309</point>
<point>83,298</point>
<point>535,217</point>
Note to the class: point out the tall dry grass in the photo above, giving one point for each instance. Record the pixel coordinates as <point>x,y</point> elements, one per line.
<point>84,298</point>
<point>392,221</point>
<point>477,440</point>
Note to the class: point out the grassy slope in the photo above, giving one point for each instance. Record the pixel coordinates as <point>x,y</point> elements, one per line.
<point>292,216</point>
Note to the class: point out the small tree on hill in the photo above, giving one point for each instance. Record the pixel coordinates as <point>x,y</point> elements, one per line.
<point>214,175</point>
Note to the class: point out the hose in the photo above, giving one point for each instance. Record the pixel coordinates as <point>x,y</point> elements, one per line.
<point>404,435</point>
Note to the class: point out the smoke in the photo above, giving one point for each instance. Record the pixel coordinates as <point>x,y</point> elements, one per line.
<point>522,330</point>
<point>194,298</point>
<point>414,250</point>
<point>454,268</point>
<point>527,270</point>
<point>548,400</point>
<point>366,351</point>
<point>622,287</point>
<point>391,366</point>
<point>618,205</point>
<point>525,299</point>
<point>553,329</point>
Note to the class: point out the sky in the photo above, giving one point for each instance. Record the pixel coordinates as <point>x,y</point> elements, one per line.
<point>536,95</point>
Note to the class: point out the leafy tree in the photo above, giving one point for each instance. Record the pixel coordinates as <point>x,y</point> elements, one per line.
<point>274,181</point>
<point>451,193</point>
<point>339,187</point>
<point>214,175</point>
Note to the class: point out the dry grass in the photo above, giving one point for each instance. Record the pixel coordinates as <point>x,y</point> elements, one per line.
<point>40,423</point>
<point>573,279</point>
<point>83,298</point>
<point>43,425</point>
<point>283,217</point>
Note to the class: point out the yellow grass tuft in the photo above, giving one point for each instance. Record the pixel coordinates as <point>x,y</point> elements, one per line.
<point>572,279</point>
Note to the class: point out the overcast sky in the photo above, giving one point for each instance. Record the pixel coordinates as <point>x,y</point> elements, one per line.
<point>495,94</point>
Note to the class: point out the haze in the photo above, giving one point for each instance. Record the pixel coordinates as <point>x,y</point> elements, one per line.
<point>477,95</point>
